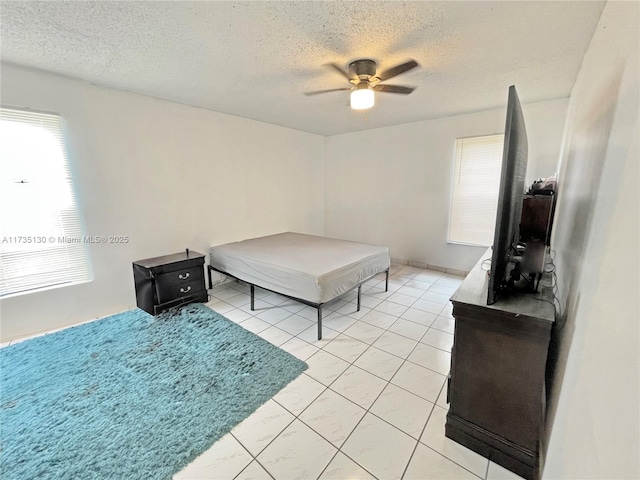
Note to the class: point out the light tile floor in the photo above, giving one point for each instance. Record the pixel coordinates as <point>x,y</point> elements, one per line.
<point>372,403</point>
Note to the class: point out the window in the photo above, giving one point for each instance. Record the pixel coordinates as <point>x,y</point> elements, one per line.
<point>476,185</point>
<point>41,241</point>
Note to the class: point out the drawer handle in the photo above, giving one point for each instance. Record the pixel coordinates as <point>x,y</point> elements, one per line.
<point>183,277</point>
<point>185,290</point>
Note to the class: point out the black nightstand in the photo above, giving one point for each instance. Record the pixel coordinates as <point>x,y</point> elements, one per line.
<point>169,281</point>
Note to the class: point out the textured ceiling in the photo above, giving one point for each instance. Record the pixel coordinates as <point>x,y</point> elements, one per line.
<point>255,59</point>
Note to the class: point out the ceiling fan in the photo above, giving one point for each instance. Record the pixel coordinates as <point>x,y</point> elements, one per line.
<point>362,75</point>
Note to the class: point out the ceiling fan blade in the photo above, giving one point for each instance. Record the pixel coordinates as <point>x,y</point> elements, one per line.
<point>393,89</point>
<point>338,69</point>
<point>326,91</point>
<point>397,70</point>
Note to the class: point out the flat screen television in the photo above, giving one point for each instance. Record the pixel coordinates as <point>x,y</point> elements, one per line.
<point>512,186</point>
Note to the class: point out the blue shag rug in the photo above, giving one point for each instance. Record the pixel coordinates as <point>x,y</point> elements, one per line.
<point>131,395</point>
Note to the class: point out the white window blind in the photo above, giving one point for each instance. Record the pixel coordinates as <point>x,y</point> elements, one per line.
<point>41,238</point>
<point>476,185</point>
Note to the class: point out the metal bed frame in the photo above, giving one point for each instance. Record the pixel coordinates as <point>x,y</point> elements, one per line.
<point>317,306</point>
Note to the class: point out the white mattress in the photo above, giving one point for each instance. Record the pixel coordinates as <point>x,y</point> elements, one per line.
<point>316,269</point>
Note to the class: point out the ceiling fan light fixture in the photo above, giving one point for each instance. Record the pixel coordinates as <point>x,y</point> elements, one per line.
<point>362,97</point>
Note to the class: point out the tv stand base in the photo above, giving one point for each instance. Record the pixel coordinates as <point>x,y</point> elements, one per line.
<point>512,457</point>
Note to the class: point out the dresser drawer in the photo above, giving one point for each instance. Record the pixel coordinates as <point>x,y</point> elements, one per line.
<point>183,275</point>
<point>178,266</point>
<point>170,291</point>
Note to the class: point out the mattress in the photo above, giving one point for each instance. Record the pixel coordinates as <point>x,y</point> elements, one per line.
<point>308,267</point>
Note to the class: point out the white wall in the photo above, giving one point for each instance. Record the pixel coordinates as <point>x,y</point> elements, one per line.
<point>392,185</point>
<point>168,176</point>
<point>595,397</point>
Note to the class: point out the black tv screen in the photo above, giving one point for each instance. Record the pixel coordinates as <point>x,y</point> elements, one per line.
<point>512,185</point>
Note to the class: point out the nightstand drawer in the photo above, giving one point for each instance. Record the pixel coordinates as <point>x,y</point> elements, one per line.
<point>170,291</point>
<point>184,275</point>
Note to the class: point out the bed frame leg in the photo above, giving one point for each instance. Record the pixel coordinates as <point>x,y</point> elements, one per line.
<point>359,292</point>
<point>320,323</point>
<point>253,291</point>
<point>386,282</point>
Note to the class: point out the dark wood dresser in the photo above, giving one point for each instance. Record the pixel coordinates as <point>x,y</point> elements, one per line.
<point>496,387</point>
<point>169,281</point>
